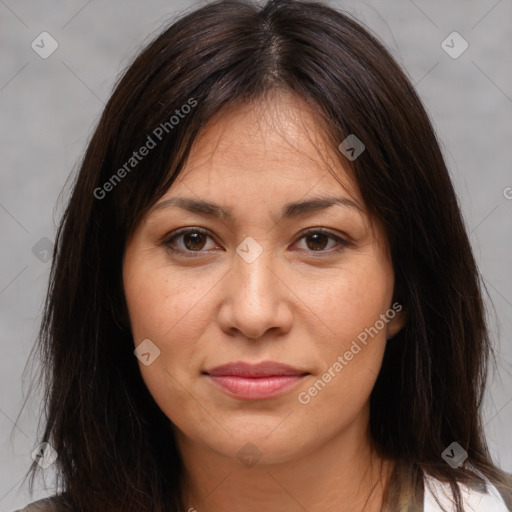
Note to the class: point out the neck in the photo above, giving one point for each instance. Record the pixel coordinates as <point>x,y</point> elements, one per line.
<point>343,474</point>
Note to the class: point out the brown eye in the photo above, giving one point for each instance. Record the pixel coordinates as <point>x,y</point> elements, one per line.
<point>194,240</point>
<point>189,241</point>
<point>318,241</point>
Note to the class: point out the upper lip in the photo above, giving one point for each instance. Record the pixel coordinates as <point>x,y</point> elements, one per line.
<point>263,369</point>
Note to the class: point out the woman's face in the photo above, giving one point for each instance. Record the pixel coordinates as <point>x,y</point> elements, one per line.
<point>249,285</point>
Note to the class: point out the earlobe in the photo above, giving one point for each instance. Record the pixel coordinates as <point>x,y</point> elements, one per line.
<point>396,324</point>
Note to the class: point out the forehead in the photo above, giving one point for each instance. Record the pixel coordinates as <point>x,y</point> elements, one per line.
<point>274,145</point>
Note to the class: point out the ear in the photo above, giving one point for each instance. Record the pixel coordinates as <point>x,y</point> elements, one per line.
<point>396,323</point>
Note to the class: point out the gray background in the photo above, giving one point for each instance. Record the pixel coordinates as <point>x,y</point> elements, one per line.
<point>50,106</point>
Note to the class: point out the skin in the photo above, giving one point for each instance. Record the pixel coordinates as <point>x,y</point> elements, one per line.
<point>292,304</point>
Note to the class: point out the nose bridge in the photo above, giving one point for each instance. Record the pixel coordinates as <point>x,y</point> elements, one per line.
<point>252,303</point>
<point>252,267</point>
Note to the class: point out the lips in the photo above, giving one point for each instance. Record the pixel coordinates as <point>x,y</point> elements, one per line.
<point>254,381</point>
<point>263,369</point>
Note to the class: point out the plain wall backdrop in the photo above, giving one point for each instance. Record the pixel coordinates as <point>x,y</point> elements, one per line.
<point>49,107</point>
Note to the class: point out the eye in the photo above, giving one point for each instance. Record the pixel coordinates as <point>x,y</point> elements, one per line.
<point>193,240</point>
<point>319,239</point>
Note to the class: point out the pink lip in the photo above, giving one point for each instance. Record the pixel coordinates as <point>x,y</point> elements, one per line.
<point>255,382</point>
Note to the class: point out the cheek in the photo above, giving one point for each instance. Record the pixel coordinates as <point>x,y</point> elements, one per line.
<point>351,306</point>
<point>354,298</point>
<point>171,311</point>
<point>165,305</point>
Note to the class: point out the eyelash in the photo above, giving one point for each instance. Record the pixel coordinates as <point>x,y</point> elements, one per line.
<point>168,241</point>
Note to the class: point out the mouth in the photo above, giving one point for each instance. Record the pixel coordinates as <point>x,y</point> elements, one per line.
<point>254,381</point>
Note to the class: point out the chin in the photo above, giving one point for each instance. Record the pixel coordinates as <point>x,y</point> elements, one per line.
<point>248,442</point>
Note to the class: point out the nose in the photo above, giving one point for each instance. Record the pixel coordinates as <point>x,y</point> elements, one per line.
<point>255,299</point>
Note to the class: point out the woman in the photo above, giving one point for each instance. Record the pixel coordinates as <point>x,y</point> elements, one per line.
<point>263,295</point>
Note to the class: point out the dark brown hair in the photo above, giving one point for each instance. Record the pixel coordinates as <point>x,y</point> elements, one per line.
<point>115,446</point>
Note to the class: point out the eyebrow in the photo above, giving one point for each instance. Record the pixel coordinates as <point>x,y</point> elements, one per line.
<point>289,210</point>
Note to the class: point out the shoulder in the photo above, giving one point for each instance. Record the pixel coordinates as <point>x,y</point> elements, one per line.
<point>438,496</point>
<point>44,505</point>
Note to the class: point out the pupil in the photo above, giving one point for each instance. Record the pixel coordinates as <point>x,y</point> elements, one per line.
<point>195,237</point>
<point>315,237</point>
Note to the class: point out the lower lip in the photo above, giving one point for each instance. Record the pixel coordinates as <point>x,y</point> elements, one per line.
<point>255,388</point>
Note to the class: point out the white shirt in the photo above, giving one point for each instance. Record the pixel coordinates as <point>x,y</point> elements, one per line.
<point>473,500</point>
